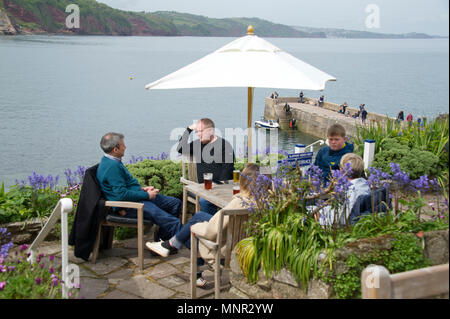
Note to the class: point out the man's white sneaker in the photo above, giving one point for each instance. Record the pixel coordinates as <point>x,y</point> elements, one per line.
<point>162,248</point>
<point>201,282</point>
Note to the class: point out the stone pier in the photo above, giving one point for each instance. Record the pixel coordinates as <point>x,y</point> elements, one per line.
<point>312,119</point>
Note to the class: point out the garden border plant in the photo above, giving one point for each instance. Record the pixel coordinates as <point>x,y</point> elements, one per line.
<point>283,232</point>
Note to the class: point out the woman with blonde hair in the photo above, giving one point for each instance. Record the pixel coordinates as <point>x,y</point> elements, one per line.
<point>358,186</point>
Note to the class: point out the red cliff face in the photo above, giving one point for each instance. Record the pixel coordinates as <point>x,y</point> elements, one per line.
<point>20,13</point>
<point>46,18</point>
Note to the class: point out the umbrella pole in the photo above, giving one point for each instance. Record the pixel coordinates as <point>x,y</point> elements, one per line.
<point>249,124</point>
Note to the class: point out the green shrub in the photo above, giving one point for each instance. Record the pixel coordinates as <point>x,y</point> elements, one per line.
<point>162,174</point>
<point>405,254</point>
<point>23,203</point>
<point>414,161</point>
<point>431,137</point>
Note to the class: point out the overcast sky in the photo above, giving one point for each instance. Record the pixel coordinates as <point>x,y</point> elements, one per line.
<point>395,16</point>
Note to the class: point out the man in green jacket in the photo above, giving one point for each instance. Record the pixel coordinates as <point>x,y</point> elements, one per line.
<point>118,184</point>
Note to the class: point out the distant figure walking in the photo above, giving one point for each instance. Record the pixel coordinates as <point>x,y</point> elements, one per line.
<point>400,116</point>
<point>420,121</point>
<point>300,97</point>
<point>409,118</point>
<point>274,95</point>
<point>363,115</point>
<point>321,99</point>
<point>287,108</point>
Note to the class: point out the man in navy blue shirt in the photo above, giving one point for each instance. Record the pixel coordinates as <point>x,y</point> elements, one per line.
<point>329,157</point>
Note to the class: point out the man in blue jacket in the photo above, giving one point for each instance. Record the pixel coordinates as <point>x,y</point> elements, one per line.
<point>118,184</point>
<point>329,157</point>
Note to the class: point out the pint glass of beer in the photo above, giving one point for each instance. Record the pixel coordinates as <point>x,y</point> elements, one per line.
<point>236,190</point>
<point>236,175</point>
<point>207,178</point>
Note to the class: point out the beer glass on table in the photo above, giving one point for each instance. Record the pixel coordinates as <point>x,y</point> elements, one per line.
<point>236,175</point>
<point>207,179</point>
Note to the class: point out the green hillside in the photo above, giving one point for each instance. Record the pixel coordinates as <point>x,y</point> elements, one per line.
<point>48,16</point>
<point>95,18</point>
<point>195,25</point>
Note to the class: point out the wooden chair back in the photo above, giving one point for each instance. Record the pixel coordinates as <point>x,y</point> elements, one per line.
<point>235,232</point>
<point>188,169</point>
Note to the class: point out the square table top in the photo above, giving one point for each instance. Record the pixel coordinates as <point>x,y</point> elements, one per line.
<point>220,194</point>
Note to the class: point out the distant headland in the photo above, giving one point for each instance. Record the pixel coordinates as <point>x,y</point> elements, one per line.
<point>49,17</point>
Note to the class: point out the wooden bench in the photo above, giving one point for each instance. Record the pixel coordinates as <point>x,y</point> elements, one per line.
<point>377,283</point>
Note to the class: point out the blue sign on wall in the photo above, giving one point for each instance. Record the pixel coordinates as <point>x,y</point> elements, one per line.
<point>301,162</point>
<point>301,155</point>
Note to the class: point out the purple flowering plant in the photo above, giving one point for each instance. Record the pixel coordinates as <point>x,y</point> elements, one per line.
<point>20,279</point>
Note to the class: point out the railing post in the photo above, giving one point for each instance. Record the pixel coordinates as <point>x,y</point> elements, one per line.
<point>375,283</point>
<point>62,208</point>
<point>66,207</point>
<point>369,153</point>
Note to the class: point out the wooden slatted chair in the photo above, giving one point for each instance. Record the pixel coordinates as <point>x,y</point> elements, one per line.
<point>187,178</point>
<point>113,220</point>
<point>109,220</point>
<point>235,232</point>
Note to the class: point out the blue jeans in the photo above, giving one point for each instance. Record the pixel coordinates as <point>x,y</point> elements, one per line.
<point>183,237</point>
<point>207,207</point>
<point>163,211</point>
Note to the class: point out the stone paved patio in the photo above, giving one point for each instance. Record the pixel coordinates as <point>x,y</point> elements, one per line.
<point>116,275</point>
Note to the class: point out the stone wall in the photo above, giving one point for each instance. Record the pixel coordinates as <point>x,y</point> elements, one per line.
<point>284,286</point>
<point>26,232</point>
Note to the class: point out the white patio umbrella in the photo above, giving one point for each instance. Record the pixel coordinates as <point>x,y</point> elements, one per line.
<point>249,61</point>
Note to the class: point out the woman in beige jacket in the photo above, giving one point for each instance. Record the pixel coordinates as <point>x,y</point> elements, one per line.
<point>206,225</point>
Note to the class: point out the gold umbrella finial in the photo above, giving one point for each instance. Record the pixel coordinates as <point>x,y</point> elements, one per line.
<point>250,30</point>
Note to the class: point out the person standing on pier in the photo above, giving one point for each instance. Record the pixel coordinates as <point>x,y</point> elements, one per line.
<point>363,115</point>
<point>409,118</point>
<point>321,99</point>
<point>329,157</point>
<point>300,97</point>
<point>212,154</point>
<point>400,116</point>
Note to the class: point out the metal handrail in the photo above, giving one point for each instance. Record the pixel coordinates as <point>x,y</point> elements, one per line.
<point>311,145</point>
<point>62,208</point>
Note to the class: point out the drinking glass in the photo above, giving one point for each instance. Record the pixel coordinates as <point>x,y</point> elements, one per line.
<point>236,175</point>
<point>207,178</point>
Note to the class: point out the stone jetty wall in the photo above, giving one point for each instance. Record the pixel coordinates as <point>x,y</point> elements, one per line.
<point>284,286</point>
<point>314,120</point>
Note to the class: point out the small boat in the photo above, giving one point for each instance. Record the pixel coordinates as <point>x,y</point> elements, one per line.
<point>267,124</point>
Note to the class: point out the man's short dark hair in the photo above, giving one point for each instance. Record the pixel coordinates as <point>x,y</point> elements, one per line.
<point>336,129</point>
<point>207,123</point>
<point>110,140</point>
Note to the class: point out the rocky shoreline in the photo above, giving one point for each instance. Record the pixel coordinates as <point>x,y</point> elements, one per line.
<point>6,27</point>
